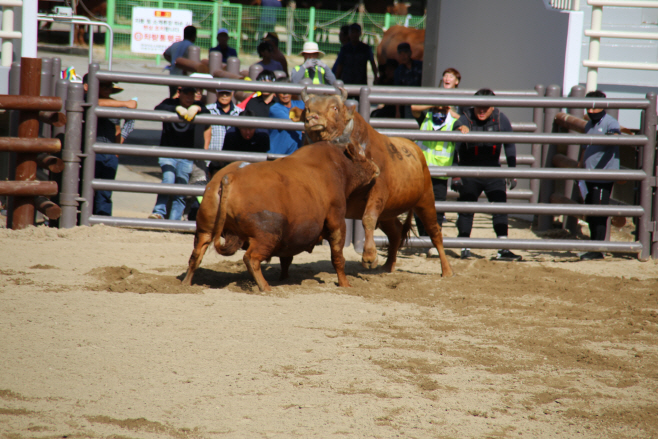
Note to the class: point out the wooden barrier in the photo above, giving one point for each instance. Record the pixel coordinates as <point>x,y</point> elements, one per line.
<point>28,145</point>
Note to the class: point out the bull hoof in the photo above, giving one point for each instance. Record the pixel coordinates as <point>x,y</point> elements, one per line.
<point>370,264</point>
<point>447,273</point>
<point>389,267</point>
<point>187,281</point>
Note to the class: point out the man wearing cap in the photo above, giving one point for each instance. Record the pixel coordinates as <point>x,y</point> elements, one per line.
<point>179,135</point>
<point>352,61</point>
<point>177,50</point>
<point>222,45</point>
<point>214,138</point>
<point>107,131</point>
<point>312,67</point>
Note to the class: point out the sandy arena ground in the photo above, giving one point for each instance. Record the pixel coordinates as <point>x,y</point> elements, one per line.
<point>100,340</point>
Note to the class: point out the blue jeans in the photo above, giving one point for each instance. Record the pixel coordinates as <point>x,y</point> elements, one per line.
<point>173,171</point>
<point>106,168</point>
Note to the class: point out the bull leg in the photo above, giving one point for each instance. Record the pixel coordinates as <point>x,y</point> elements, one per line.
<point>427,214</point>
<point>286,261</point>
<point>336,240</point>
<point>393,230</point>
<point>252,260</point>
<point>201,241</point>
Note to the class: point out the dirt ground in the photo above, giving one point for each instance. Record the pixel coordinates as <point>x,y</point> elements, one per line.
<point>100,340</point>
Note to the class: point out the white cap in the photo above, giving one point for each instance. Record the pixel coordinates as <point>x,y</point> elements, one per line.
<point>222,31</point>
<point>311,47</point>
<point>201,75</point>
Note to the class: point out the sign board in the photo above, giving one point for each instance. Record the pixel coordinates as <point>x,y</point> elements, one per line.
<point>155,29</point>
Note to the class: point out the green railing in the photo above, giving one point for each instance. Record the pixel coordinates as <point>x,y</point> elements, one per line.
<point>248,24</point>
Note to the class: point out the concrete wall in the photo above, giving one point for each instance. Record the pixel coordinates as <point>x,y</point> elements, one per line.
<point>502,44</point>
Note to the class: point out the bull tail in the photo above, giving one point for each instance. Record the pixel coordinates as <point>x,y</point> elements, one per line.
<point>406,228</point>
<point>220,220</point>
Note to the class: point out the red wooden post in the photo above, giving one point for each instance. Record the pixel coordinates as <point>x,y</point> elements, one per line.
<point>28,126</point>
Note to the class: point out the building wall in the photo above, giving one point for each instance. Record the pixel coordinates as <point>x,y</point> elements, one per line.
<point>503,44</point>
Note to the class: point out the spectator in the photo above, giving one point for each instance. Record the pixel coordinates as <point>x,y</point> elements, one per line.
<point>222,45</point>
<point>277,55</point>
<point>353,58</point>
<point>265,52</point>
<point>312,67</point>
<point>181,135</point>
<point>244,139</point>
<point>214,138</point>
<point>450,79</point>
<point>343,38</point>
<point>178,50</point>
<point>599,157</point>
<point>437,153</point>
<point>261,103</point>
<point>409,73</point>
<point>284,141</point>
<point>386,78</point>
<point>107,131</point>
<point>484,154</point>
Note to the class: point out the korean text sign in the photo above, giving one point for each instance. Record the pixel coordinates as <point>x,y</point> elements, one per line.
<point>155,29</point>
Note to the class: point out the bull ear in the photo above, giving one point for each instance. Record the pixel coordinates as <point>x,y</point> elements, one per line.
<point>304,95</point>
<point>343,94</point>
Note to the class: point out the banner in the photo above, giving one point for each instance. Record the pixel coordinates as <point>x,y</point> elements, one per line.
<point>155,29</point>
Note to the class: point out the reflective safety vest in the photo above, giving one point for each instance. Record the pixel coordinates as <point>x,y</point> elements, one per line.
<point>437,153</point>
<point>319,73</point>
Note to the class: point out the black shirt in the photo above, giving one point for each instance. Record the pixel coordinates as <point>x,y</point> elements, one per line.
<point>235,142</point>
<point>179,134</point>
<point>259,107</point>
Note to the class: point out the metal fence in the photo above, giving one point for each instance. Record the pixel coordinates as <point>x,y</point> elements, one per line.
<point>247,24</point>
<point>648,201</point>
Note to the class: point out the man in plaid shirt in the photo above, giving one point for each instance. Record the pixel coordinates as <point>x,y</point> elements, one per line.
<point>214,139</point>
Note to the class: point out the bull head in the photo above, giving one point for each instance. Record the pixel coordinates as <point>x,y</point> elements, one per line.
<point>326,117</point>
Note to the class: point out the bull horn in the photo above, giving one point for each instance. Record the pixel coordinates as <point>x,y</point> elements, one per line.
<point>343,93</point>
<point>304,95</point>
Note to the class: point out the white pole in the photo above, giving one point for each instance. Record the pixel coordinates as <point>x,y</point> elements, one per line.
<point>594,48</point>
<point>29,28</point>
<point>7,43</point>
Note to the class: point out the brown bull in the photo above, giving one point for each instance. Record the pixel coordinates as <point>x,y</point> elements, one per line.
<point>388,47</point>
<point>404,183</point>
<point>281,208</point>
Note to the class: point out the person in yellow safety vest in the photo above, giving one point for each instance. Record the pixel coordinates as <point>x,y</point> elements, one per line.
<point>312,67</point>
<point>437,153</point>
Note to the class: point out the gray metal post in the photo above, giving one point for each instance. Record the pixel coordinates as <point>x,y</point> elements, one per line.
<point>573,152</point>
<point>233,65</point>
<point>61,91</point>
<point>545,222</point>
<point>255,70</point>
<point>46,89</point>
<point>538,118</point>
<point>359,234</point>
<point>68,196</point>
<point>648,200</point>
<point>193,53</point>
<point>57,72</point>
<point>214,64</point>
<point>89,165</point>
<point>431,54</point>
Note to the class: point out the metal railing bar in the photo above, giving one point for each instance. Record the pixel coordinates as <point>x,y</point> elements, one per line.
<point>501,101</point>
<point>619,34</point>
<point>538,173</point>
<point>539,209</point>
<point>620,65</point>
<point>523,244</point>
<point>181,226</point>
<point>505,137</point>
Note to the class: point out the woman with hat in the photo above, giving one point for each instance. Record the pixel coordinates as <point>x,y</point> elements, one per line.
<point>312,67</point>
